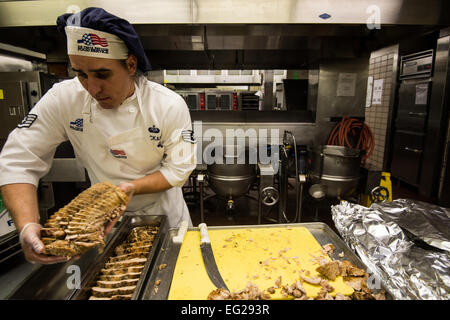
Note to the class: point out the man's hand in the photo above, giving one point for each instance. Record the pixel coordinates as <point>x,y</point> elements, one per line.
<point>30,238</point>
<point>129,189</point>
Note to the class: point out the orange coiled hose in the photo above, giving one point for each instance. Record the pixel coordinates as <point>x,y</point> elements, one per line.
<point>349,130</point>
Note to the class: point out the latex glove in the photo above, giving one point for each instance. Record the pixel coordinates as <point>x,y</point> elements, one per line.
<point>128,188</point>
<point>30,239</point>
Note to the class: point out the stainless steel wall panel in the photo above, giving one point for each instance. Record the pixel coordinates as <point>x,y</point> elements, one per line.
<point>437,122</point>
<point>329,104</point>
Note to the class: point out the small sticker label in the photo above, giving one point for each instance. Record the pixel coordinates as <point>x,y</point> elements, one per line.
<point>1,94</point>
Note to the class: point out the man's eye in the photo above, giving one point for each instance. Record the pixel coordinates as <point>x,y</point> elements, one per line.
<point>103,75</point>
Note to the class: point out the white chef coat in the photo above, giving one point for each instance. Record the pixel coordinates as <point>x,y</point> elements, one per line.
<point>148,132</point>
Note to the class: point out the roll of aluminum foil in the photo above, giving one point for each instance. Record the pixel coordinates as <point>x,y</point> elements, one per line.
<point>384,238</point>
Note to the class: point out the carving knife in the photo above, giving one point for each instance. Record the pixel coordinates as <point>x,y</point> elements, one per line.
<point>172,257</point>
<point>208,258</point>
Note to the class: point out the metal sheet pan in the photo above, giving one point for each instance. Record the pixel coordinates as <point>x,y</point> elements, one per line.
<point>55,282</point>
<point>321,232</point>
<point>130,221</point>
<point>50,282</point>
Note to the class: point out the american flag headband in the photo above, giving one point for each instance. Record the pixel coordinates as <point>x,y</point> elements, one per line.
<point>94,43</point>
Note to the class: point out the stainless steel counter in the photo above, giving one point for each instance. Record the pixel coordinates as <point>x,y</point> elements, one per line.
<point>13,273</point>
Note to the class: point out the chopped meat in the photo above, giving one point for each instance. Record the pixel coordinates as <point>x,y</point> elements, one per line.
<point>340,296</point>
<point>162,266</point>
<point>330,270</point>
<point>278,282</point>
<point>311,280</point>
<point>380,295</point>
<point>251,292</point>
<point>361,295</point>
<point>349,269</point>
<point>326,286</point>
<point>355,282</point>
<point>328,248</point>
<point>300,287</point>
<point>323,295</point>
<point>219,294</point>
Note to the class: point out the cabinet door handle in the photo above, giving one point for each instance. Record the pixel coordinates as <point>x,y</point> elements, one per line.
<point>413,150</point>
<point>419,114</point>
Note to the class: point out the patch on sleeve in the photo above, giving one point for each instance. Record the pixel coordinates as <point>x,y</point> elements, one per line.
<point>28,121</point>
<point>188,136</point>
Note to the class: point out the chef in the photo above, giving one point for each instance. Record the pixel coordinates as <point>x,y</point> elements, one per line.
<point>124,129</point>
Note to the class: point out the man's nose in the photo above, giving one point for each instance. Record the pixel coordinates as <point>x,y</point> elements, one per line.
<point>94,86</point>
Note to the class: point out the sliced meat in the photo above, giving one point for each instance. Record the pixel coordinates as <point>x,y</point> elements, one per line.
<point>121,251</point>
<point>120,277</point>
<point>122,270</point>
<point>117,284</point>
<point>60,248</point>
<point>128,256</point>
<point>109,292</point>
<point>82,221</point>
<point>57,233</point>
<point>126,263</point>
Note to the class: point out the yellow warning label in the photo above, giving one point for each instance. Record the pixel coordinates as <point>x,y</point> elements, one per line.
<point>1,94</point>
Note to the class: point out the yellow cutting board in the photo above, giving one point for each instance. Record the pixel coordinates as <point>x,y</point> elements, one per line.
<point>258,255</point>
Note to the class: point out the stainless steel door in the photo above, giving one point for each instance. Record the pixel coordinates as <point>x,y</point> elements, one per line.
<point>407,158</point>
<point>413,102</point>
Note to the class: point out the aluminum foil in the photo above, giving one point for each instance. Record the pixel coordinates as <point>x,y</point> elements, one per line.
<point>425,221</point>
<point>406,269</point>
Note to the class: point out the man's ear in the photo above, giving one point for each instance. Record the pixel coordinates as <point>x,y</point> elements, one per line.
<point>131,64</point>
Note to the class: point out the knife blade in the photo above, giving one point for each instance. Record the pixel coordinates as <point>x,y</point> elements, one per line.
<point>172,257</point>
<point>208,258</point>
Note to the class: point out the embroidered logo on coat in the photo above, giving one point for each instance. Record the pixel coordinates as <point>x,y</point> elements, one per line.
<point>188,136</point>
<point>27,121</point>
<point>121,154</point>
<point>77,124</point>
<point>153,129</point>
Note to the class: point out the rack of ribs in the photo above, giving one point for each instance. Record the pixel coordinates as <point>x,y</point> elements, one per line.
<point>79,225</point>
<point>121,273</point>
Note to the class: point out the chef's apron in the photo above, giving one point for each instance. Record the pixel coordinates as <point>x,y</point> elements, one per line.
<point>139,156</point>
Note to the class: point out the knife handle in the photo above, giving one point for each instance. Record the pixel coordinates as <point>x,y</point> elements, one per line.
<point>181,232</point>
<point>204,236</point>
